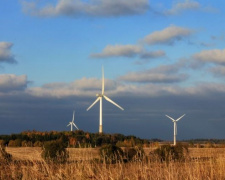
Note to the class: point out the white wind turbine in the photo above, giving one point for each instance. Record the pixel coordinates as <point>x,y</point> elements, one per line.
<point>72,123</point>
<point>175,127</point>
<point>99,98</point>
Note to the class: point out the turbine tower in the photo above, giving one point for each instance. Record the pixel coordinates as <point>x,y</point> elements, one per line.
<point>175,127</point>
<point>72,123</point>
<point>99,98</point>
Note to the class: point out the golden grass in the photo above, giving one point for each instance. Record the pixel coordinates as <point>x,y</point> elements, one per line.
<point>204,164</point>
<point>25,153</point>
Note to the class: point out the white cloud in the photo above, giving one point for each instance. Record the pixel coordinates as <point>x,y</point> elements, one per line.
<point>11,82</point>
<point>214,56</point>
<point>153,77</point>
<point>161,74</point>
<point>87,8</point>
<point>81,87</point>
<point>182,6</point>
<point>118,50</point>
<point>128,51</point>
<point>5,52</point>
<point>168,35</point>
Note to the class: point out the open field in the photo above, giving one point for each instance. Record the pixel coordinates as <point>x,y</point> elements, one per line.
<point>34,153</point>
<point>205,163</point>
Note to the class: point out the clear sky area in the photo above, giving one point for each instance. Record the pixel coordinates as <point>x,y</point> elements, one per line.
<point>159,57</point>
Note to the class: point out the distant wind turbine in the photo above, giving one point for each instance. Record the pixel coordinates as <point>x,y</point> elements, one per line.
<point>99,98</point>
<point>72,123</point>
<point>175,127</point>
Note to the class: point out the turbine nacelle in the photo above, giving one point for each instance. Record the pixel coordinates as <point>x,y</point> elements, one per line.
<point>99,95</point>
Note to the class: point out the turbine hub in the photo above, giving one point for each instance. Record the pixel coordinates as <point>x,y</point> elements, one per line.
<point>99,95</point>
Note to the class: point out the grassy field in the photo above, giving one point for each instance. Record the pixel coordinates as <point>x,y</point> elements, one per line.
<point>34,153</point>
<point>204,163</point>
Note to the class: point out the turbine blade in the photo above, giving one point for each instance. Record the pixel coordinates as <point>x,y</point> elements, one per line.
<point>112,102</point>
<point>93,103</point>
<point>68,124</point>
<point>75,126</point>
<point>103,81</point>
<point>170,118</point>
<point>180,117</point>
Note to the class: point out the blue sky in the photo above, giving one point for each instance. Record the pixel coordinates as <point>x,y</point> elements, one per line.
<point>160,57</point>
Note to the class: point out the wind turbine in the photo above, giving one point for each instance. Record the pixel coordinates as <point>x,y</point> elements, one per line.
<point>72,123</point>
<point>99,98</point>
<point>175,127</point>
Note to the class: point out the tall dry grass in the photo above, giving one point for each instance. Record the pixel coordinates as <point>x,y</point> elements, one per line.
<point>210,166</point>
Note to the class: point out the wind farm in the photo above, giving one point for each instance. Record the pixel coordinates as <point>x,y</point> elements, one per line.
<point>156,67</point>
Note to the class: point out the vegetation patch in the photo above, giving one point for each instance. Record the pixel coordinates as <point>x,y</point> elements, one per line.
<point>134,153</point>
<point>168,152</point>
<point>55,151</point>
<point>111,153</point>
<point>4,156</point>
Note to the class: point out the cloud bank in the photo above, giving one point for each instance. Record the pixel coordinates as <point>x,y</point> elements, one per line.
<point>74,8</point>
<point>11,82</point>
<point>160,74</point>
<point>145,105</point>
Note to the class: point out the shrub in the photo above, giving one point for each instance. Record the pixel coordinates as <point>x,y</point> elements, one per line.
<point>134,154</point>
<point>26,143</point>
<point>2,143</point>
<point>38,144</point>
<point>4,155</point>
<point>167,152</point>
<point>55,151</point>
<point>111,153</point>
<point>15,143</point>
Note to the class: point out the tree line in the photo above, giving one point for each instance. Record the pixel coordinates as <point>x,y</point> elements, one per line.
<point>74,139</point>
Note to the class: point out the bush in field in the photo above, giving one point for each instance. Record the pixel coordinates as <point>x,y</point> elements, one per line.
<point>168,152</point>
<point>55,151</point>
<point>134,154</point>
<point>3,154</point>
<point>111,153</point>
<point>38,144</point>
<point>15,143</point>
<point>26,143</point>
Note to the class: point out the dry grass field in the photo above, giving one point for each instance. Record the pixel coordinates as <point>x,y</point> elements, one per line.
<point>34,153</point>
<point>204,163</point>
<point>25,153</point>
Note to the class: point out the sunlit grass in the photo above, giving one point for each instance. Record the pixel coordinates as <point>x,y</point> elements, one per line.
<point>199,164</point>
